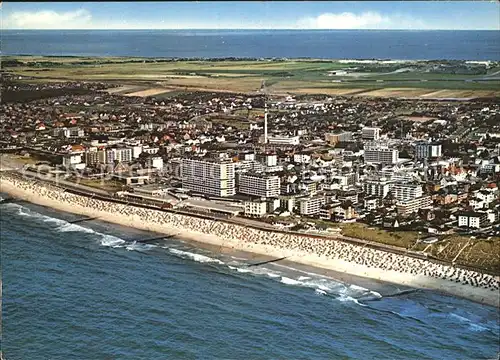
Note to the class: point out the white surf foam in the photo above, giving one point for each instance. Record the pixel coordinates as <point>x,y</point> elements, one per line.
<point>344,298</point>
<point>193,256</point>
<point>111,241</point>
<point>242,270</point>
<point>472,326</point>
<point>52,220</point>
<point>65,226</point>
<point>261,271</point>
<point>22,213</point>
<point>273,275</point>
<point>68,227</point>
<point>356,287</point>
<point>318,284</point>
<point>139,247</point>
<point>311,274</point>
<point>288,281</point>
<point>476,327</point>
<point>326,286</point>
<point>320,292</point>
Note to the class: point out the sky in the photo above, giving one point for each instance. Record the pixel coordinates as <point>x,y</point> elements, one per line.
<point>404,15</point>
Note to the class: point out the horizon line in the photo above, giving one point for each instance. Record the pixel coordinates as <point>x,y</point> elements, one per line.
<point>245,29</point>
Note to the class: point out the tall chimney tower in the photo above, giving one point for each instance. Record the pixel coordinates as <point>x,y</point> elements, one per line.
<point>265,122</point>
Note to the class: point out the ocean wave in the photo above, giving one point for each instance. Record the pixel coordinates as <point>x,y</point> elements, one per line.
<point>288,281</point>
<point>340,291</point>
<point>472,326</point>
<point>111,241</point>
<point>273,275</point>
<point>117,243</point>
<point>21,212</point>
<point>321,284</point>
<point>139,247</point>
<point>193,256</point>
<point>356,287</point>
<point>66,226</point>
<point>320,292</point>
<point>331,286</point>
<point>344,298</point>
<point>258,270</point>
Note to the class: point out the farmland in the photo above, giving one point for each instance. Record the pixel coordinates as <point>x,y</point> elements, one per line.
<point>147,77</point>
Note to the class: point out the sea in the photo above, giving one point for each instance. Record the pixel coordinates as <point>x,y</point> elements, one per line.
<point>319,44</point>
<point>89,291</point>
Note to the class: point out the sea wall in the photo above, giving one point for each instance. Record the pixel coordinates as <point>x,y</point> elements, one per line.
<point>325,253</point>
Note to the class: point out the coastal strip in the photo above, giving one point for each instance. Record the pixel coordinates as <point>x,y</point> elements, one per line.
<point>324,253</point>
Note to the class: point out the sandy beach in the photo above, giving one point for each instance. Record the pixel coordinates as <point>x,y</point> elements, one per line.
<point>322,253</point>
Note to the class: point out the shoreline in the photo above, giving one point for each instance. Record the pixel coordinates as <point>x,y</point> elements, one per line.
<point>344,60</point>
<point>326,254</point>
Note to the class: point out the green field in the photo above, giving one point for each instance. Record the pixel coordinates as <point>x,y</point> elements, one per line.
<point>290,76</point>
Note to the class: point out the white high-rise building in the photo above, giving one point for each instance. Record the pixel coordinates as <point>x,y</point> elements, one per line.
<point>370,133</point>
<point>122,155</point>
<point>311,205</point>
<point>259,185</point>
<point>406,208</point>
<point>436,150</point>
<point>209,176</point>
<point>269,159</point>
<point>377,187</point>
<point>156,162</point>
<point>426,150</point>
<point>380,154</point>
<point>405,191</point>
<point>396,174</point>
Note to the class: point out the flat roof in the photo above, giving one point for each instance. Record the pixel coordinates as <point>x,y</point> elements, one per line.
<point>210,205</point>
<point>150,187</point>
<point>119,176</point>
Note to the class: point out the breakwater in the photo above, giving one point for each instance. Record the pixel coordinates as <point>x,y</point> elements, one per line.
<point>322,252</point>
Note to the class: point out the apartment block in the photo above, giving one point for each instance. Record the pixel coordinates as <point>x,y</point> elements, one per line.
<point>380,154</point>
<point>209,176</point>
<point>122,155</point>
<point>406,208</point>
<point>473,219</point>
<point>427,150</point>
<point>311,205</point>
<point>333,139</point>
<point>370,133</point>
<point>261,185</point>
<point>377,187</point>
<point>256,208</point>
<point>405,191</point>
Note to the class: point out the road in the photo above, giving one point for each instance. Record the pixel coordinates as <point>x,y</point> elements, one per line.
<point>65,183</point>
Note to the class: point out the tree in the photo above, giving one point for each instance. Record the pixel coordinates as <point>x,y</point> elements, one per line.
<point>404,154</point>
<point>484,154</point>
